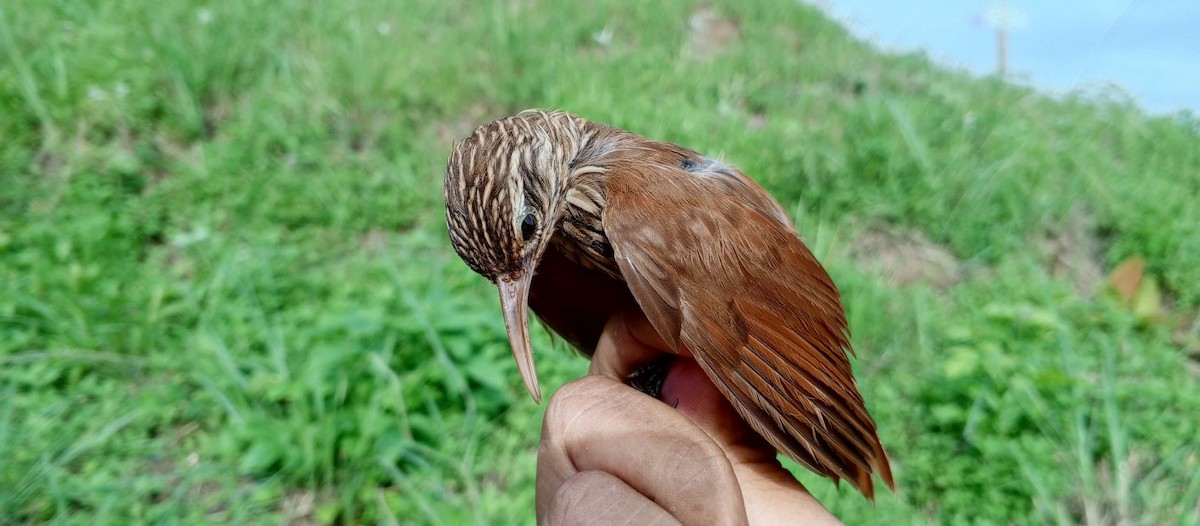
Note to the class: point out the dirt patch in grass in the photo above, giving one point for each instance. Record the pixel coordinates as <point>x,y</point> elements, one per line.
<point>1072,251</point>
<point>373,239</point>
<point>299,508</point>
<point>905,257</point>
<point>710,33</point>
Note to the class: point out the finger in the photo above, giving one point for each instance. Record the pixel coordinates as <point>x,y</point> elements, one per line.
<point>619,352</point>
<point>629,341</point>
<point>773,496</point>
<point>598,424</point>
<point>642,330</point>
<point>596,497</point>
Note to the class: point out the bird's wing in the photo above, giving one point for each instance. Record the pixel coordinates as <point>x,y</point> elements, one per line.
<point>715,264</point>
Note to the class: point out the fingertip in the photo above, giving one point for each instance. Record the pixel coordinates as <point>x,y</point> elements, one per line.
<point>619,351</point>
<point>639,326</point>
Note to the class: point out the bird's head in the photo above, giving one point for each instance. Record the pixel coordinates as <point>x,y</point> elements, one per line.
<point>503,188</point>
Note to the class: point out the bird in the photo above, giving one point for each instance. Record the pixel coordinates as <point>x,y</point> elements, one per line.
<point>577,220</point>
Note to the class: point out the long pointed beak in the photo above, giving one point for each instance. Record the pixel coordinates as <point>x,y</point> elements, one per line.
<point>514,297</point>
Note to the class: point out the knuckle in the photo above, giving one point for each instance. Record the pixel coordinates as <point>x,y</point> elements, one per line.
<point>573,398</point>
<point>576,497</point>
<point>701,464</point>
<point>564,408</point>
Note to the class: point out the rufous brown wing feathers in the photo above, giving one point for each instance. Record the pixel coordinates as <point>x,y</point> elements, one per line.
<point>734,284</point>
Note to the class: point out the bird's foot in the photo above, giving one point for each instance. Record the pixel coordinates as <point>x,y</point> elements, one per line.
<point>649,378</point>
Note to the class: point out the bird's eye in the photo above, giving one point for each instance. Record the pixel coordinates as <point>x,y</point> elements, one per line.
<point>528,226</point>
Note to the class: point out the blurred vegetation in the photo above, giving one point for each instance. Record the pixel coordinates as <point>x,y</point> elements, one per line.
<point>226,293</point>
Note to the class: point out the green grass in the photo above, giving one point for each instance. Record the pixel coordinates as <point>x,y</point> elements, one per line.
<point>226,293</point>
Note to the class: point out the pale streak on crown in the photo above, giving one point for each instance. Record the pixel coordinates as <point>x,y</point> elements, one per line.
<point>501,170</point>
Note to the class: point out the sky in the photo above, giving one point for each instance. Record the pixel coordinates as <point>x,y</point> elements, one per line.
<point>1151,48</point>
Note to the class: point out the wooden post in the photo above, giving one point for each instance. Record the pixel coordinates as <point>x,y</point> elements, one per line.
<point>1001,50</point>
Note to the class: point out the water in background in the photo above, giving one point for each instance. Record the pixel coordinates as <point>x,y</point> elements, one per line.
<point>1150,48</point>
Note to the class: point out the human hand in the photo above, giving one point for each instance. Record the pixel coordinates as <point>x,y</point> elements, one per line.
<point>612,455</point>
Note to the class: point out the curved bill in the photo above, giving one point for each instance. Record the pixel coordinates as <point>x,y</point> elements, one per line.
<point>514,297</point>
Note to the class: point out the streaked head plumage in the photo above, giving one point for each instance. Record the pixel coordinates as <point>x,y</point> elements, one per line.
<point>504,192</point>
<point>501,186</point>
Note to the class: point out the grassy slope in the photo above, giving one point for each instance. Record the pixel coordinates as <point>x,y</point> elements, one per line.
<point>225,291</point>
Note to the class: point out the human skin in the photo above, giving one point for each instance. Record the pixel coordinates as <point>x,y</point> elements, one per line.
<point>610,454</point>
